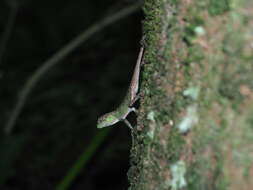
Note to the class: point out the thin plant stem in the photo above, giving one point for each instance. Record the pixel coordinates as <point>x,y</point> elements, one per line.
<point>57,57</point>
<point>83,160</point>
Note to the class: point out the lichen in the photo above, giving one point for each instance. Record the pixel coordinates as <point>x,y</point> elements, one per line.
<point>178,171</point>
<point>189,120</point>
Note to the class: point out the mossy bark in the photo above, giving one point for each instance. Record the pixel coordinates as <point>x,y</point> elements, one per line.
<point>195,125</point>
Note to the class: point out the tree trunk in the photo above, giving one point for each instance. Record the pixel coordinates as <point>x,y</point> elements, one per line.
<point>195,124</point>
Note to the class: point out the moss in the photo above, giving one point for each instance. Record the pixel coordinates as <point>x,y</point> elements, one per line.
<point>175,145</point>
<point>250,121</point>
<point>204,167</point>
<point>229,89</point>
<point>180,54</point>
<point>218,7</point>
<point>175,2</point>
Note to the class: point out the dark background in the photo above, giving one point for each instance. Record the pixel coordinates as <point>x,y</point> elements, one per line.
<point>59,119</point>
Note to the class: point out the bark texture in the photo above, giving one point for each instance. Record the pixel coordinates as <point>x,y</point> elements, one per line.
<point>195,127</point>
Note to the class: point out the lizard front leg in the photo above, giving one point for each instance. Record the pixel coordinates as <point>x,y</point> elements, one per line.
<point>128,123</point>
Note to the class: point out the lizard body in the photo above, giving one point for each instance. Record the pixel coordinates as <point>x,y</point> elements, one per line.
<point>125,107</point>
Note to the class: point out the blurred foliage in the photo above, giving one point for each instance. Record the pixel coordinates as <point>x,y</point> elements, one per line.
<point>59,119</point>
<point>10,148</point>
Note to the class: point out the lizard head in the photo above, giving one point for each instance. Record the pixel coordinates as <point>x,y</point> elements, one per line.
<point>107,120</point>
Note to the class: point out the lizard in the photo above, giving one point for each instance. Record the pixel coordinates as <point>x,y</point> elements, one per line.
<point>126,106</point>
